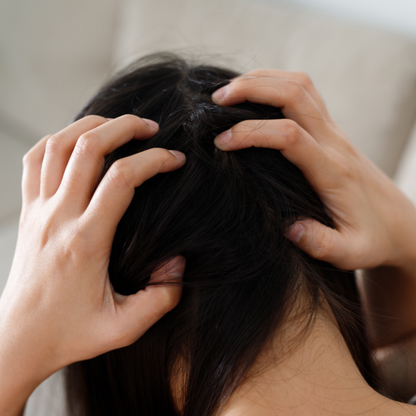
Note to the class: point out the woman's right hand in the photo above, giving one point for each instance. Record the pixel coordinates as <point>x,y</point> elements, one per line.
<point>375,224</point>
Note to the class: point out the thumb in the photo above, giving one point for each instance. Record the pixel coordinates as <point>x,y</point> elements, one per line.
<point>140,311</point>
<point>317,240</point>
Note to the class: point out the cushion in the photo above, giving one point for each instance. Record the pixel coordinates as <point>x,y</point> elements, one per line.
<point>367,76</point>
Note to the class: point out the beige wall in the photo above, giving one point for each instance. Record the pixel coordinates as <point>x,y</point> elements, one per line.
<point>53,55</point>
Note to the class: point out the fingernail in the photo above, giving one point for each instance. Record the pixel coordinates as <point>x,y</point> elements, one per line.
<point>151,123</point>
<point>178,155</point>
<point>176,266</point>
<point>220,94</point>
<point>295,232</point>
<point>223,138</point>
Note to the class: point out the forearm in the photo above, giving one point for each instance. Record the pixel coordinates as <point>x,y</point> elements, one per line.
<point>24,363</point>
<point>12,400</point>
<point>16,385</point>
<point>389,298</point>
<point>397,364</point>
<point>374,224</point>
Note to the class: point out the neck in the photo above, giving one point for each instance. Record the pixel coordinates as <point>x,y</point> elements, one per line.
<point>318,377</point>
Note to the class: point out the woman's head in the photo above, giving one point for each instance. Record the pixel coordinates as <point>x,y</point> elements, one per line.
<point>226,213</point>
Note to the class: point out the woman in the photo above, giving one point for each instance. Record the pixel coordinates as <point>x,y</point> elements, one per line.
<point>84,337</point>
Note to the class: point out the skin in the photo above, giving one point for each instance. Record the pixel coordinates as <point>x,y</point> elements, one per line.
<point>58,306</point>
<point>374,221</point>
<point>318,377</point>
<point>374,230</point>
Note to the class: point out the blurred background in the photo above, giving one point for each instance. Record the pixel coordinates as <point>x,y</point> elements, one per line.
<point>54,54</point>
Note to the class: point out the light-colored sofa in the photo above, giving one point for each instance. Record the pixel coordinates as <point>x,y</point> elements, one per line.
<point>54,54</point>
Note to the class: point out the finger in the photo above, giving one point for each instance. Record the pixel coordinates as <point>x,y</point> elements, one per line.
<point>301,77</point>
<point>320,242</point>
<point>32,166</point>
<point>58,151</point>
<point>285,135</point>
<point>140,311</point>
<point>116,190</point>
<point>287,94</point>
<point>87,160</point>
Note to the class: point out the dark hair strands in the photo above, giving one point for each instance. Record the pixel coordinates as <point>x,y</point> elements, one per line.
<point>226,213</point>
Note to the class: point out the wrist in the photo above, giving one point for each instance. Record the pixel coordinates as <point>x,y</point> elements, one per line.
<point>400,215</point>
<point>24,364</point>
<point>16,385</point>
<point>404,250</point>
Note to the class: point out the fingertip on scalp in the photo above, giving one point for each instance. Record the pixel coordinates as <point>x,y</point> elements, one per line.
<point>179,155</point>
<point>295,232</point>
<point>219,95</point>
<point>223,139</point>
<point>151,123</point>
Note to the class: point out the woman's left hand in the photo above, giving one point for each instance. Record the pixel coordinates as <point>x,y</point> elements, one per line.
<point>374,221</point>
<point>59,306</point>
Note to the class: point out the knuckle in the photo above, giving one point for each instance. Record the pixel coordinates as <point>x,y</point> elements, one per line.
<point>158,155</point>
<point>55,143</point>
<point>130,120</point>
<point>296,90</point>
<point>259,136</point>
<point>32,156</point>
<point>87,143</point>
<point>94,119</point>
<point>120,174</point>
<point>291,131</point>
<point>28,158</point>
<point>245,127</point>
<point>245,133</point>
<point>323,246</point>
<point>304,79</point>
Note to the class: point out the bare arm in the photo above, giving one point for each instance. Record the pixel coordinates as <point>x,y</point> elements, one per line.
<point>59,306</point>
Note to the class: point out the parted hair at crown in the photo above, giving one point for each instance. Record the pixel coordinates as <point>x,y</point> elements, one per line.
<point>226,213</point>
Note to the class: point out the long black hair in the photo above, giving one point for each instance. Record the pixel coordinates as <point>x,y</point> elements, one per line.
<point>226,213</point>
